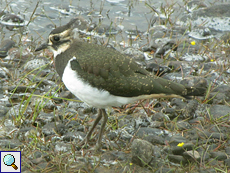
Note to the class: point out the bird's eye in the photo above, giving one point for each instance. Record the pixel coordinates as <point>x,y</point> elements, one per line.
<point>56,38</point>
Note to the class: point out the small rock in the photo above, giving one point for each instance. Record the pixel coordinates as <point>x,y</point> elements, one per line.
<point>9,144</point>
<point>195,82</point>
<point>190,109</point>
<point>5,46</point>
<point>156,124</point>
<point>219,98</point>
<point>19,89</point>
<point>227,150</point>
<point>141,121</point>
<point>158,70</point>
<point>37,63</point>
<point>125,136</point>
<point>133,33</point>
<point>170,112</point>
<point>194,5</point>
<point>134,53</point>
<point>37,160</point>
<point>66,94</point>
<point>154,139</point>
<point>191,155</point>
<point>223,89</point>
<point>37,154</point>
<point>209,170</point>
<point>4,73</point>
<point>159,116</point>
<point>115,155</point>
<point>142,152</point>
<point>211,147</point>
<point>227,162</point>
<point>165,170</point>
<point>46,105</point>
<point>82,24</point>
<point>220,136</point>
<point>219,111</point>
<point>63,147</point>
<point>175,140</point>
<point>3,111</point>
<point>69,136</point>
<point>180,150</point>
<point>12,18</point>
<point>178,103</point>
<point>163,45</point>
<point>48,129</point>
<point>61,129</point>
<point>126,121</point>
<point>144,131</point>
<point>18,110</point>
<point>183,125</point>
<point>201,33</point>
<point>112,135</point>
<point>177,159</point>
<point>196,120</point>
<point>177,150</point>
<point>73,124</point>
<point>218,155</point>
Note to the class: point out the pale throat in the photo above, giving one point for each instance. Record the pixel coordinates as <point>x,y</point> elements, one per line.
<point>60,49</point>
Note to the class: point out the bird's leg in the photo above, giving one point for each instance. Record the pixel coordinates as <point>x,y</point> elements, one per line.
<point>86,139</point>
<point>105,116</point>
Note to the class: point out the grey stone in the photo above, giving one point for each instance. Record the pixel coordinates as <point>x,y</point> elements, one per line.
<point>227,162</point>
<point>36,64</point>
<point>220,111</point>
<point>154,139</point>
<point>144,131</point>
<point>159,117</point>
<point>218,155</point>
<point>191,155</point>
<point>142,152</point>
<point>177,159</point>
<point>183,125</point>
<point>175,140</point>
<point>5,46</point>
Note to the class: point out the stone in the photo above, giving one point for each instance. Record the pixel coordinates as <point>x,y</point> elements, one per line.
<point>142,152</point>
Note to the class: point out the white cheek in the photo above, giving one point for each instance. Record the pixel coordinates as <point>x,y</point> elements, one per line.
<point>61,49</point>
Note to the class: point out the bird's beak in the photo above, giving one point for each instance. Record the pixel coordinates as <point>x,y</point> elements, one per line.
<point>42,46</point>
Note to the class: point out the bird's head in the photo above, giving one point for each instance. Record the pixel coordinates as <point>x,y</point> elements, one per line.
<point>60,38</point>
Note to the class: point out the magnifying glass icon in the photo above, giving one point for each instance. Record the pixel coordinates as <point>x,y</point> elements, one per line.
<point>9,160</point>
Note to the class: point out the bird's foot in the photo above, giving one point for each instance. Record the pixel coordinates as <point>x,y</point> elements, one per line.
<point>84,145</point>
<point>97,148</point>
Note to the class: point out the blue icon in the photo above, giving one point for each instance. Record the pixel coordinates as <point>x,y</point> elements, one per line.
<point>9,160</point>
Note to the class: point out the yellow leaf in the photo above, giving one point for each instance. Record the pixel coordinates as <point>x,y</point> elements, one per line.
<point>193,43</point>
<point>180,144</point>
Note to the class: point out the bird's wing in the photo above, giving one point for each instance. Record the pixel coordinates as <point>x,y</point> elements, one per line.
<point>108,69</point>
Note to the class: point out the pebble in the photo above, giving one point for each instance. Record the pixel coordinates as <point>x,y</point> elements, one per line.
<point>218,155</point>
<point>177,159</point>
<point>142,152</point>
<point>192,156</point>
<point>5,46</point>
<point>175,140</point>
<point>154,139</point>
<point>227,162</point>
<point>143,131</point>
<point>36,64</point>
<point>220,111</point>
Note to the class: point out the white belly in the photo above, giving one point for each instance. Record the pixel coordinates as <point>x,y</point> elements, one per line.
<point>92,96</point>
